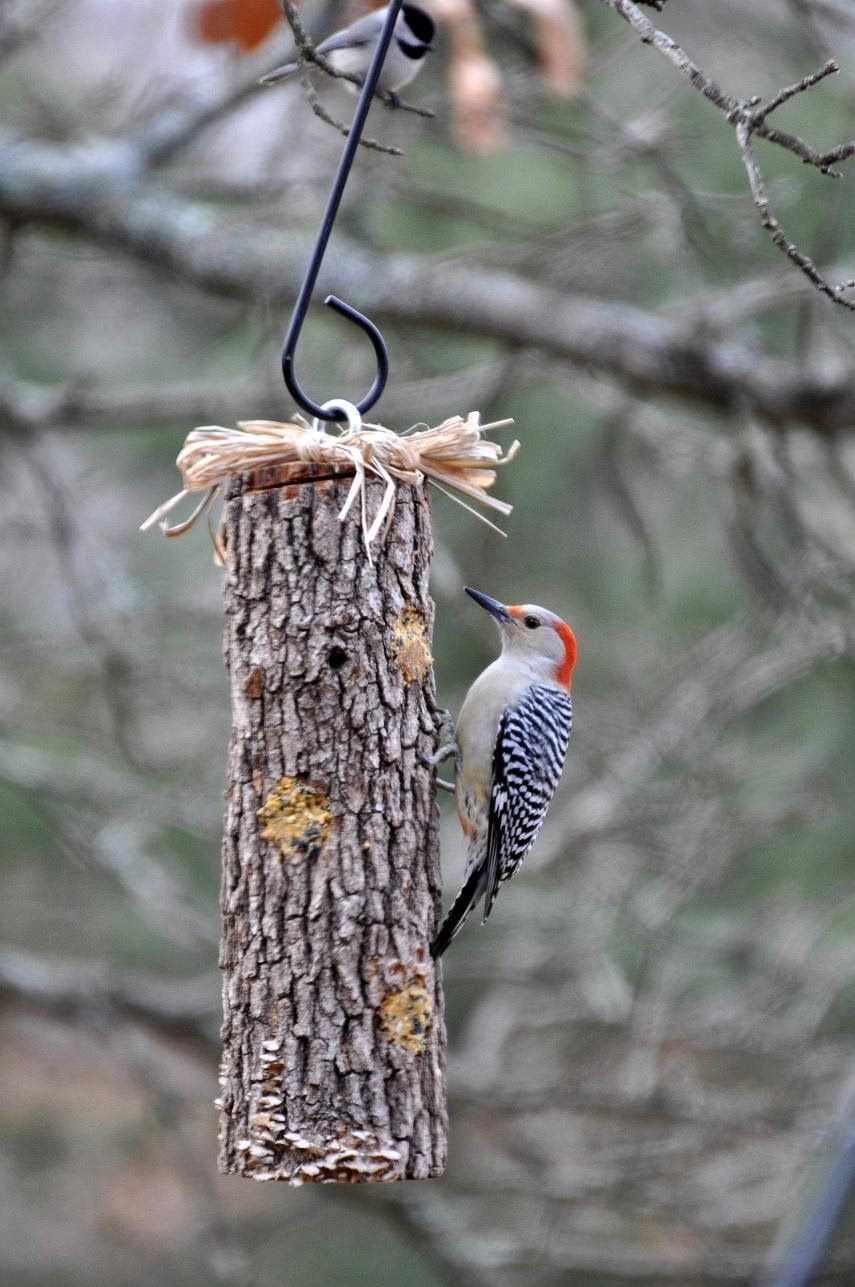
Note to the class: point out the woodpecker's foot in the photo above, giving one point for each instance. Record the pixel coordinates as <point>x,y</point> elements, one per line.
<point>431,761</point>
<point>444,725</point>
<point>444,753</point>
<point>392,100</point>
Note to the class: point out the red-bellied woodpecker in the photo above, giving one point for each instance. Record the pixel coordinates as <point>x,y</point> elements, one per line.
<point>511,740</point>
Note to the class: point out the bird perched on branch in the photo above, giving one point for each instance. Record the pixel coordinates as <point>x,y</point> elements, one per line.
<point>510,744</point>
<point>350,50</point>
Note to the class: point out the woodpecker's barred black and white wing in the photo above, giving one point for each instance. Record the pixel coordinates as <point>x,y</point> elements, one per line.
<point>531,746</point>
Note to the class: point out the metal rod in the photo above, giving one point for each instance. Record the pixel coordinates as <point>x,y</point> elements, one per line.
<point>803,1258</point>
<point>332,301</point>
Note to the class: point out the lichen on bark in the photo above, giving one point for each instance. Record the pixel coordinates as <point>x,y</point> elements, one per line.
<point>333,1033</point>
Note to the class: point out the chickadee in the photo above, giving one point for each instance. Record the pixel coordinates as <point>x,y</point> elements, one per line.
<point>351,49</point>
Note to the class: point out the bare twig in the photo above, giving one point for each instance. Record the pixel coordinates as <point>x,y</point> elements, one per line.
<point>344,130</point>
<point>783,95</point>
<point>749,118</point>
<point>771,224</point>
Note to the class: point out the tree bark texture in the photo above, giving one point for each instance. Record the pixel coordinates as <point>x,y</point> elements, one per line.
<point>333,1032</point>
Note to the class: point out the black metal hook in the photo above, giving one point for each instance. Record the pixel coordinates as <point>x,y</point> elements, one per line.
<point>332,301</point>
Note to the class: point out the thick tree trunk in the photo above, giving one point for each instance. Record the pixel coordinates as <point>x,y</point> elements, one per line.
<point>333,1033</point>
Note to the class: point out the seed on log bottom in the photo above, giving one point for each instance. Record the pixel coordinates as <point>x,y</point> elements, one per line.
<point>409,645</point>
<point>296,817</point>
<point>406,1015</point>
<point>345,1156</point>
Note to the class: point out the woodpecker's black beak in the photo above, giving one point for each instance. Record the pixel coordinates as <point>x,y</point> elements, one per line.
<point>496,609</point>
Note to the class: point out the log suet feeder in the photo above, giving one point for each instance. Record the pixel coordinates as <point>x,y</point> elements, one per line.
<point>333,1032</point>
<point>333,1040</point>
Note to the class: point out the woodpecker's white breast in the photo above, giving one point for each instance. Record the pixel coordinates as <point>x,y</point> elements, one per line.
<point>497,689</point>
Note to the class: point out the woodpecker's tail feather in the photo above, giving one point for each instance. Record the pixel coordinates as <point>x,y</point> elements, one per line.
<point>470,893</point>
<point>279,73</point>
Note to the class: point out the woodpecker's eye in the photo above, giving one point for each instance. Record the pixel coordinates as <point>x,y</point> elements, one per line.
<point>531,622</point>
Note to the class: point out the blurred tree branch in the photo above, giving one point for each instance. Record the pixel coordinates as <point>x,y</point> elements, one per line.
<point>187,1008</point>
<point>725,677</point>
<point>101,193</point>
<point>19,22</point>
<point>26,406</point>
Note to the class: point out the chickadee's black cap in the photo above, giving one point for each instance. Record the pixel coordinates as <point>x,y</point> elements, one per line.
<point>421,24</point>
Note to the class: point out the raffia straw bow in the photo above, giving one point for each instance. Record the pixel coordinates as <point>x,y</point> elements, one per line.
<point>455,453</point>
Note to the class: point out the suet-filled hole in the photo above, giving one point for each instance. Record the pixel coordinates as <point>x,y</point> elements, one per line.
<point>409,644</point>
<point>406,1015</point>
<point>296,819</point>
